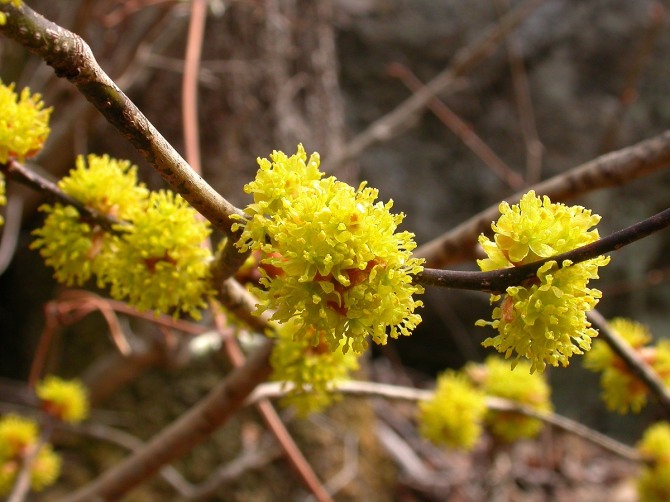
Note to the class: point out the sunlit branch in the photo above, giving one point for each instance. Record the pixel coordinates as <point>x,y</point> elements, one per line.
<point>497,281</point>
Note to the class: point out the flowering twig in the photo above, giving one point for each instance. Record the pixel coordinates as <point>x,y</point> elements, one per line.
<point>612,169</point>
<point>631,359</point>
<point>374,389</point>
<point>497,281</point>
<point>22,483</point>
<point>72,58</point>
<point>16,171</point>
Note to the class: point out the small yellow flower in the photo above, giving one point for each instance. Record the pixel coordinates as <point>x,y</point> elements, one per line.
<point>495,378</point>
<point>544,319</point>
<point>454,416</point>
<point>17,435</point>
<point>46,468</point>
<point>622,391</point>
<point>18,439</point>
<point>313,370</point>
<point>160,263</point>
<point>24,123</point>
<point>77,249</point>
<point>653,483</point>
<point>338,264</point>
<point>64,400</point>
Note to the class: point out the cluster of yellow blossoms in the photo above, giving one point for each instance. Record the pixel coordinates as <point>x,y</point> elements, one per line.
<point>543,320</point>
<point>457,412</point>
<point>622,391</point>
<point>332,258</point>
<point>24,127</point>
<point>19,437</point>
<point>154,256</point>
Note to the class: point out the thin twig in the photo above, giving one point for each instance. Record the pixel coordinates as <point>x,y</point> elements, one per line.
<point>462,130</point>
<point>463,62</point>
<point>196,32</point>
<point>275,424</point>
<point>631,359</point>
<point>373,389</point>
<point>616,168</point>
<point>72,58</point>
<point>17,171</point>
<point>638,61</point>
<point>192,428</point>
<point>524,102</point>
<point>497,281</point>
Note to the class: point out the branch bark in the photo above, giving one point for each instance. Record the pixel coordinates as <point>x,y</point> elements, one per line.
<point>612,169</point>
<point>189,430</point>
<point>72,58</point>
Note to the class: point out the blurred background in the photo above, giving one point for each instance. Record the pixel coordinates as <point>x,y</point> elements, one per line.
<point>577,79</point>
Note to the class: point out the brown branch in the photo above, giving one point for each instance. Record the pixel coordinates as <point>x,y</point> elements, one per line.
<point>374,389</point>
<point>271,418</point>
<point>462,130</point>
<point>631,359</point>
<point>497,281</point>
<point>16,171</point>
<point>72,58</point>
<point>612,169</point>
<point>189,99</point>
<point>463,62</point>
<point>249,459</point>
<point>192,428</point>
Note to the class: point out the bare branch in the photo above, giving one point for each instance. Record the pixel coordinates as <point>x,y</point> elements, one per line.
<point>371,389</point>
<point>190,429</point>
<point>612,169</point>
<point>72,58</point>
<point>465,60</point>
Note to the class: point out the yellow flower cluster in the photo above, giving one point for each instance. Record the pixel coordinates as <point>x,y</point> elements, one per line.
<point>543,320</point>
<point>495,378</point>
<point>455,414</point>
<point>18,439</point>
<point>154,259</point>
<point>64,400</point>
<point>74,247</point>
<point>162,264</point>
<point>313,371</point>
<point>653,484</point>
<point>622,391</point>
<point>332,256</point>
<point>24,123</point>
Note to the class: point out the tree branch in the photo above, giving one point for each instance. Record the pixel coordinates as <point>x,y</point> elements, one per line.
<point>497,281</point>
<point>374,389</point>
<point>72,58</point>
<point>181,436</point>
<point>463,61</point>
<point>612,169</point>
<point>631,359</point>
